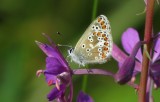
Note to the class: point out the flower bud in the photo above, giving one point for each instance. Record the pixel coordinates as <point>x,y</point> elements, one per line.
<point>125,72</point>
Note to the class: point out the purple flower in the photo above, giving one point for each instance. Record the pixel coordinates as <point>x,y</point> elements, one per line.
<point>128,66</point>
<point>57,72</point>
<point>82,97</point>
<point>155,62</point>
<point>130,39</point>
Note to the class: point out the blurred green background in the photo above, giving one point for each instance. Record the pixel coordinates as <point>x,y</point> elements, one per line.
<point>23,21</point>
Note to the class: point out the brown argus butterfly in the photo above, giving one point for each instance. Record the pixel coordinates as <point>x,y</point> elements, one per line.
<point>95,45</point>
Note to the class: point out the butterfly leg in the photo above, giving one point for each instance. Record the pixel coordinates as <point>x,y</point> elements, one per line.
<point>67,58</point>
<point>89,71</point>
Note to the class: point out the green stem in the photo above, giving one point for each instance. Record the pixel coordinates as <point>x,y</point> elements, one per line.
<point>85,78</point>
<point>84,84</point>
<point>145,62</point>
<point>95,4</point>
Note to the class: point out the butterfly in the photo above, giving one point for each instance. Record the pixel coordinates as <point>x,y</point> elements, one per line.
<point>95,45</point>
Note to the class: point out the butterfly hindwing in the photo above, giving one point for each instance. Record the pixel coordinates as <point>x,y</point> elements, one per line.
<point>95,45</point>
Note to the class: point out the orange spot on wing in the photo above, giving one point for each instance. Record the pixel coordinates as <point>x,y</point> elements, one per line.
<point>106,43</point>
<point>103,55</point>
<point>104,27</point>
<point>105,48</point>
<point>94,33</point>
<point>99,19</point>
<point>102,22</point>
<point>103,35</point>
<point>105,38</point>
<point>99,34</point>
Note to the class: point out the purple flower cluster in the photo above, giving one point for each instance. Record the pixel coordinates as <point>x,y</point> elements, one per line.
<point>131,44</point>
<point>59,73</point>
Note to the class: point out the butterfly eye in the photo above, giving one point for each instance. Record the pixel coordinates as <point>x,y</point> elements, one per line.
<point>70,50</point>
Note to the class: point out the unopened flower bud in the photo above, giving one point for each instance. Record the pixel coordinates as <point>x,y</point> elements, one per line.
<point>126,71</point>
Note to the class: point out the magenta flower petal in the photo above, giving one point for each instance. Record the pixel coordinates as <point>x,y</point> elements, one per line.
<point>156,55</point>
<point>126,69</point>
<point>129,38</point>
<point>118,54</point>
<point>82,97</point>
<point>120,57</point>
<point>52,52</point>
<point>50,78</point>
<point>125,73</point>
<point>55,93</point>
<point>48,50</point>
<point>57,71</point>
<point>54,66</point>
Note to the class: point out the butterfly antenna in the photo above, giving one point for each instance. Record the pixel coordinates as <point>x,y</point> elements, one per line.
<point>49,39</point>
<point>64,45</point>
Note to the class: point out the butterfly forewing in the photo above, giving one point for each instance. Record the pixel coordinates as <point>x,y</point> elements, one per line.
<point>95,45</point>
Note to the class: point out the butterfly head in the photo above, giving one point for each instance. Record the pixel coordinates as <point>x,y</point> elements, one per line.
<point>75,58</point>
<point>70,51</point>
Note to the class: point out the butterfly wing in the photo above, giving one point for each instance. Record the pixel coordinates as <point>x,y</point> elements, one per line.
<point>95,45</point>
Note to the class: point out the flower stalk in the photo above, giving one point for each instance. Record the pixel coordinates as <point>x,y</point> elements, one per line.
<point>92,72</point>
<point>94,11</point>
<point>145,62</point>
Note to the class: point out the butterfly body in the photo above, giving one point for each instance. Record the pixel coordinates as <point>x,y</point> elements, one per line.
<point>95,45</point>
